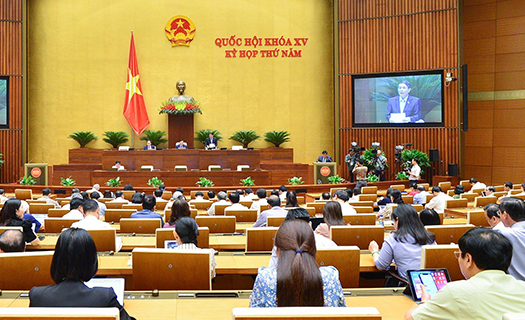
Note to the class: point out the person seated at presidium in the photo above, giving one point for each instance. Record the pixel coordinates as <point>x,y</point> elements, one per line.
<point>181,145</point>
<point>402,246</point>
<point>484,256</point>
<point>324,157</point>
<point>297,281</point>
<point>74,262</point>
<point>12,241</point>
<point>119,166</point>
<point>11,215</point>
<point>149,146</point>
<point>211,142</point>
<point>147,212</point>
<point>408,106</point>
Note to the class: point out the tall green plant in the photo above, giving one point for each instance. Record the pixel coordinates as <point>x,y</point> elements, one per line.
<point>115,138</point>
<point>83,137</point>
<point>201,135</point>
<point>277,137</point>
<point>155,136</point>
<point>245,137</point>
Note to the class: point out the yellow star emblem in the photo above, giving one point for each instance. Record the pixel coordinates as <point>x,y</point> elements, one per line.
<point>131,85</point>
<point>180,23</point>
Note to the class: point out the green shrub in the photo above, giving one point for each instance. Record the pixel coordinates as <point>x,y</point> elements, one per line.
<point>83,137</point>
<point>245,137</point>
<point>277,137</point>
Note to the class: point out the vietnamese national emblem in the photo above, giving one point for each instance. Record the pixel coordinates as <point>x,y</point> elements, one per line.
<point>180,31</point>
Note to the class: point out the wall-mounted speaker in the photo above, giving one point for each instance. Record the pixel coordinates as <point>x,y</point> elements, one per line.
<point>433,155</point>
<point>453,169</point>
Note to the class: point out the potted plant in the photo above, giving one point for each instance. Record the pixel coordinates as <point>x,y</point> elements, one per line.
<point>67,182</point>
<point>114,182</point>
<point>248,182</point>
<point>336,179</point>
<point>155,136</point>
<point>203,182</point>
<point>27,181</point>
<point>201,135</point>
<point>277,137</point>
<point>372,178</point>
<point>369,158</point>
<point>83,137</point>
<point>245,137</point>
<point>115,138</point>
<point>401,175</point>
<point>295,181</point>
<point>408,154</point>
<point>155,182</point>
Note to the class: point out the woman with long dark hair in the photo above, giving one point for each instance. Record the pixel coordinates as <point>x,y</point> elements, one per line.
<point>404,244</point>
<point>332,216</point>
<point>291,200</point>
<point>74,262</point>
<point>297,280</point>
<point>179,209</point>
<point>12,214</point>
<point>395,196</point>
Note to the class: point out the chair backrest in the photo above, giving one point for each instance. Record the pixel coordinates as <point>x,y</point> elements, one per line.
<point>477,191</point>
<point>260,239</point>
<point>361,203</point>
<point>445,185</point>
<point>360,219</point>
<point>317,205</point>
<point>429,197</point>
<point>418,207</point>
<point>408,199</point>
<point>400,187</point>
<point>104,239</point>
<point>264,207</point>
<point>345,259</point>
<point>163,234</point>
<point>24,270</point>
<point>456,203</point>
<point>135,206</point>
<point>128,194</point>
<point>465,184</point>
<point>55,225</point>
<point>334,190</point>
<point>368,197</point>
<point>161,205</point>
<point>24,194</point>
<point>114,205</point>
<point>275,221</point>
<point>243,215</point>
<point>364,209</point>
<point>311,211</point>
<point>168,269</point>
<point>35,201</point>
<point>369,190</point>
<point>519,196</point>
<point>204,205</point>
<point>450,192</point>
<point>220,224</point>
<point>357,235</point>
<point>166,195</point>
<point>219,208</point>
<point>469,196</point>
<point>499,194</point>
<point>301,200</point>
<point>499,188</point>
<point>56,213</point>
<point>442,256</point>
<point>143,226</point>
<point>424,185</point>
<point>246,202</point>
<point>483,201</point>
<point>40,208</point>
<point>60,313</point>
<point>4,228</point>
<point>477,218</point>
<point>193,192</point>
<point>114,215</point>
<point>451,233</point>
<point>350,313</point>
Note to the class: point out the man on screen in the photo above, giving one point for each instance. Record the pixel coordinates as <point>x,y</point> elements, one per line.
<point>403,108</point>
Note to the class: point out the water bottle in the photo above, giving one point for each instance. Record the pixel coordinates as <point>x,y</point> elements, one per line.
<point>381,220</point>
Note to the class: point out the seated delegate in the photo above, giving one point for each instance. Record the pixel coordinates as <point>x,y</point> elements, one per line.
<point>74,262</point>
<point>297,281</point>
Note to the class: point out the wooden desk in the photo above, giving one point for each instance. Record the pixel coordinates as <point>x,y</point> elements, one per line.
<point>461,212</point>
<point>391,304</point>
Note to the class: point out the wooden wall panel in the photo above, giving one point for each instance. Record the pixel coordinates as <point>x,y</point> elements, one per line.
<point>11,39</point>
<point>378,36</point>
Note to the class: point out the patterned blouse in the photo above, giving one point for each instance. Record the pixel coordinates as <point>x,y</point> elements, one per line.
<point>265,288</point>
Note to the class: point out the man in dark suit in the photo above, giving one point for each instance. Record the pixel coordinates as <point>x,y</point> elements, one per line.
<point>211,142</point>
<point>149,146</point>
<point>404,103</point>
<point>324,157</point>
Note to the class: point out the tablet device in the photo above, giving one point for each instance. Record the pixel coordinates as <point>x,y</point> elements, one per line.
<point>432,279</point>
<point>117,284</point>
<point>170,244</point>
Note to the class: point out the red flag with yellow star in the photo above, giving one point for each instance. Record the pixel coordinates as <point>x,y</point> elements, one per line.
<point>134,106</point>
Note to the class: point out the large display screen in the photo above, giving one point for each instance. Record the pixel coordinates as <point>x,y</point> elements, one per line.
<point>398,99</point>
<point>4,101</point>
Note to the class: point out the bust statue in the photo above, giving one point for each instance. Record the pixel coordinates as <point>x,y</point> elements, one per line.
<point>181,97</point>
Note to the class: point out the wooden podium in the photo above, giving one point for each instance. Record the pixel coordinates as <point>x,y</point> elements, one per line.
<point>323,170</point>
<point>180,126</point>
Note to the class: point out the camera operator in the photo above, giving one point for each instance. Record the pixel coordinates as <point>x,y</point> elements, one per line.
<point>380,163</point>
<point>354,154</point>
